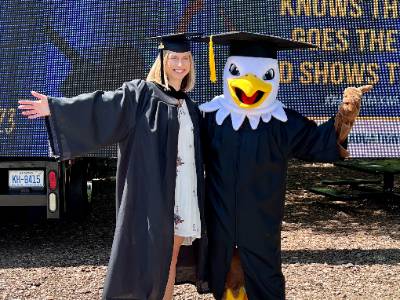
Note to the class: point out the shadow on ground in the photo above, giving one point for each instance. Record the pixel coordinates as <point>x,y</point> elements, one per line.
<point>26,243</point>
<point>306,210</point>
<point>27,240</point>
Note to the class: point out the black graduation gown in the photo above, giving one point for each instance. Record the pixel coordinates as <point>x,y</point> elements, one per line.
<point>245,190</point>
<point>142,118</point>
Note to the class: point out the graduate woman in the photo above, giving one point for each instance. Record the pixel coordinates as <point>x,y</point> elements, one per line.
<point>159,173</point>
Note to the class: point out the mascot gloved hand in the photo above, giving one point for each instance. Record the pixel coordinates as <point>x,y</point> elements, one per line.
<point>249,138</point>
<point>347,114</point>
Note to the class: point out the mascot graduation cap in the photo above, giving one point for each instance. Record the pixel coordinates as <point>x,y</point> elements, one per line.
<point>251,79</point>
<point>249,138</point>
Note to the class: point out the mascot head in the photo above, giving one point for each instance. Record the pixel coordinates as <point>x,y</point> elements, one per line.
<point>251,77</point>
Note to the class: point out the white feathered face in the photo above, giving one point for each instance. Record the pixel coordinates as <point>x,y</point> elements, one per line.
<point>250,88</point>
<point>250,84</point>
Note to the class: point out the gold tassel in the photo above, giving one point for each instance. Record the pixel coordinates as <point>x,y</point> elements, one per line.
<point>213,73</point>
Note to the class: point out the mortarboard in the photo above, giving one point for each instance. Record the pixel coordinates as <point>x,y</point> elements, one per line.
<point>249,44</point>
<point>177,42</point>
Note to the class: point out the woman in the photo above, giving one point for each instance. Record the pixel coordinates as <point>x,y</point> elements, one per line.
<point>159,172</point>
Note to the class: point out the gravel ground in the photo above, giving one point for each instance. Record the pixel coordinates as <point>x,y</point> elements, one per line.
<point>331,249</point>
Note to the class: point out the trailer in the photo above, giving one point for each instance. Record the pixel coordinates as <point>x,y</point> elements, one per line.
<point>30,174</point>
<point>62,187</point>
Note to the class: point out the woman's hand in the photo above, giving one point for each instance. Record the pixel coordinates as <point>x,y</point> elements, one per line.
<point>35,109</point>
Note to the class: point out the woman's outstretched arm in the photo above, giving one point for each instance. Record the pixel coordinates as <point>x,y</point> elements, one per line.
<point>86,122</point>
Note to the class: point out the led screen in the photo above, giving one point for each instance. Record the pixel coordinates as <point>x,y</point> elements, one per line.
<point>64,48</point>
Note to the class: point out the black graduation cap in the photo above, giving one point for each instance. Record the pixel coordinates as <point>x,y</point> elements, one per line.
<point>250,44</point>
<point>176,42</point>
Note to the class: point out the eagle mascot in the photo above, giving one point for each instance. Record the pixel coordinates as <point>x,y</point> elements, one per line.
<point>249,138</point>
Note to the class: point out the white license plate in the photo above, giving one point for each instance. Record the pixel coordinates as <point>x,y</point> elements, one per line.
<point>25,178</point>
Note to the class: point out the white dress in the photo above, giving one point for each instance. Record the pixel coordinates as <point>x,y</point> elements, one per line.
<point>187,214</point>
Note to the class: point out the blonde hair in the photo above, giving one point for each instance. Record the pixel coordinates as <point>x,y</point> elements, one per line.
<point>155,73</point>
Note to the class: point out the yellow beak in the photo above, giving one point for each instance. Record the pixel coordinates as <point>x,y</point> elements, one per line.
<point>249,91</point>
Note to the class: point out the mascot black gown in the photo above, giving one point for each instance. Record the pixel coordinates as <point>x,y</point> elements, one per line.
<point>249,138</point>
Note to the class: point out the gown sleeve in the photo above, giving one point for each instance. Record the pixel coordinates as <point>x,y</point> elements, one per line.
<point>86,122</point>
<point>311,142</point>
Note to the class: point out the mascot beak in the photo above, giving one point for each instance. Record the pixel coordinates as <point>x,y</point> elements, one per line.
<point>249,91</point>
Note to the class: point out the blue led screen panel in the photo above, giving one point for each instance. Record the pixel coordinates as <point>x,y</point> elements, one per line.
<point>64,48</point>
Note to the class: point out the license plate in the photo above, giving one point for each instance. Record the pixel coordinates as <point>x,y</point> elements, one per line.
<point>25,178</point>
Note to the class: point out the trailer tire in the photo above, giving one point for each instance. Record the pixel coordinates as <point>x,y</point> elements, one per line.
<point>78,191</point>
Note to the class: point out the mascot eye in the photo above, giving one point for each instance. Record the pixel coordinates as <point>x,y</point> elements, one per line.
<point>270,74</point>
<point>234,70</point>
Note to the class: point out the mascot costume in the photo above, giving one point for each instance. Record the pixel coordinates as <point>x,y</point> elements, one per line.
<point>249,138</point>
